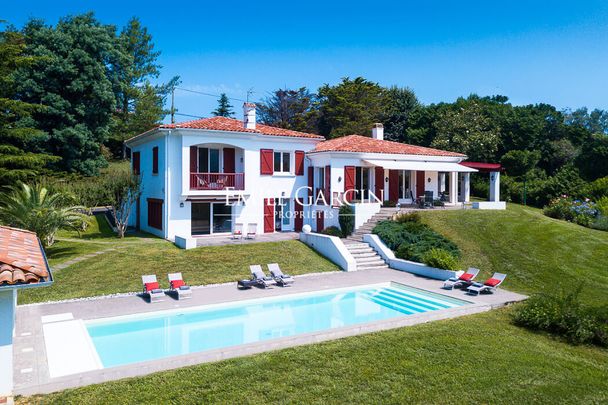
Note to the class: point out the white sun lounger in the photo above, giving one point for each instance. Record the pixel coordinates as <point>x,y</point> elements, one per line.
<point>490,285</point>
<point>176,282</point>
<point>281,278</point>
<point>258,275</point>
<point>152,289</point>
<point>464,280</point>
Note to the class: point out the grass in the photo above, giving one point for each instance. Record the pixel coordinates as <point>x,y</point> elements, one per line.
<point>478,359</point>
<point>120,270</point>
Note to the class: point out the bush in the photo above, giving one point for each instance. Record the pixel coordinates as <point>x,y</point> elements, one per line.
<point>600,223</point>
<point>407,217</point>
<point>597,189</point>
<point>389,204</point>
<point>577,211</point>
<point>332,231</point>
<point>440,258</point>
<point>563,315</point>
<point>602,205</point>
<point>438,203</point>
<point>347,220</point>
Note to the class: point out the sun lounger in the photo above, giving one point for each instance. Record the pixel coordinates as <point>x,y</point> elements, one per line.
<point>177,285</point>
<point>258,279</point>
<point>281,278</point>
<point>251,231</point>
<point>490,286</point>
<point>465,279</point>
<point>237,232</point>
<point>152,289</point>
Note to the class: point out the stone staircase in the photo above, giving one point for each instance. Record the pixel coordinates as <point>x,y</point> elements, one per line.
<point>384,213</point>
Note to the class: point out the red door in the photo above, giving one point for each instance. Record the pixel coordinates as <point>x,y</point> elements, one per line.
<point>320,220</point>
<point>419,184</point>
<point>268,215</point>
<point>229,160</point>
<point>349,183</point>
<point>379,182</point>
<point>393,185</point>
<point>298,221</point>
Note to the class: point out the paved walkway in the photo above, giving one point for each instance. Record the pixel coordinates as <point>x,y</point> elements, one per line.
<point>31,372</point>
<point>227,239</point>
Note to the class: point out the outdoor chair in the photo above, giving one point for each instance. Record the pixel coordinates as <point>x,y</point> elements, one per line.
<point>258,279</point>
<point>428,199</point>
<point>489,286</point>
<point>465,279</point>
<point>177,286</point>
<point>281,278</point>
<point>152,288</point>
<point>251,231</point>
<point>237,232</point>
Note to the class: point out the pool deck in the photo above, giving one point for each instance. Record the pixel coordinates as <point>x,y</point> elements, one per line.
<point>31,369</point>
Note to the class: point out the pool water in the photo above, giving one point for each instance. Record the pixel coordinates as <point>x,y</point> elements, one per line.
<point>136,338</point>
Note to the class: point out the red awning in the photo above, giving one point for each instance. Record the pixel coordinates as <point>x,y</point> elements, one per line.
<point>483,167</point>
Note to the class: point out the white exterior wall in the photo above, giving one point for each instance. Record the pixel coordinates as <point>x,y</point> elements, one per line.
<point>8,303</point>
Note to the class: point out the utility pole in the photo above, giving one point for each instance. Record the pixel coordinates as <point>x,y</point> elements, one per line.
<point>173,105</point>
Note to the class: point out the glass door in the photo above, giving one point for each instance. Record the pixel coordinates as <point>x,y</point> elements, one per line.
<point>201,219</point>
<point>222,218</point>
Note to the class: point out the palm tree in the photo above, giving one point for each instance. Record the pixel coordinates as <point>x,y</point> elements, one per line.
<point>36,209</point>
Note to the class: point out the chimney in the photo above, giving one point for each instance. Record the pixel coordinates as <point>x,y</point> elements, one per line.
<point>249,115</point>
<point>378,131</point>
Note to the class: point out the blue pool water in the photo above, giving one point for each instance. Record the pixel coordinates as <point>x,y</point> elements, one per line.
<point>137,338</point>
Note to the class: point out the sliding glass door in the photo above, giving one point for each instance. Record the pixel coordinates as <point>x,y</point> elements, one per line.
<point>210,218</point>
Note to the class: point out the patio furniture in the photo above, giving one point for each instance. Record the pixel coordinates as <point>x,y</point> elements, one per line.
<point>258,279</point>
<point>489,286</point>
<point>237,232</point>
<point>465,279</point>
<point>251,231</point>
<point>152,288</point>
<point>281,278</point>
<point>177,286</point>
<point>428,199</point>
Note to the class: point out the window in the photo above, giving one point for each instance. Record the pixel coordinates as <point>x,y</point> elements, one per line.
<point>321,178</point>
<point>208,160</point>
<point>155,213</point>
<point>135,160</point>
<point>282,162</point>
<point>155,160</point>
<point>362,182</point>
<point>404,184</point>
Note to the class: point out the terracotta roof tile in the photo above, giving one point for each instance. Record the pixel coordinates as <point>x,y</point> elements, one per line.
<point>358,143</point>
<point>21,257</point>
<point>234,125</point>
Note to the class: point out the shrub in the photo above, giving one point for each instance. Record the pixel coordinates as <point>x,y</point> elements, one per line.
<point>600,223</point>
<point>388,203</point>
<point>602,205</point>
<point>438,203</point>
<point>347,220</point>
<point>563,315</point>
<point>597,189</point>
<point>440,258</point>
<point>582,212</point>
<point>407,217</point>
<point>332,231</point>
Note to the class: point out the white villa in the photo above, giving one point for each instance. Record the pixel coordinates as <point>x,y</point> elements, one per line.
<point>269,175</point>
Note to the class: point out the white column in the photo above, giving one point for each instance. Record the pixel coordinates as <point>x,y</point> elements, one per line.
<point>8,302</point>
<point>453,187</point>
<point>495,186</point>
<point>466,189</point>
<point>441,182</point>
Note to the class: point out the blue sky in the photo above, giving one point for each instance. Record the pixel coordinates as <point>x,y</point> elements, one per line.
<point>530,51</point>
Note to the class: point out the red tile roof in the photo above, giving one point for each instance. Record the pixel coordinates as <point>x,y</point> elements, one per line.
<point>358,143</point>
<point>233,125</point>
<point>21,257</point>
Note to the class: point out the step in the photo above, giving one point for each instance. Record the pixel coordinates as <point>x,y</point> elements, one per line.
<point>356,245</point>
<point>363,268</point>
<point>363,253</point>
<point>370,261</point>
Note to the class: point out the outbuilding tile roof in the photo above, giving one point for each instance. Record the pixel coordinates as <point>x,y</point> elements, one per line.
<point>234,125</point>
<point>358,143</point>
<point>21,257</point>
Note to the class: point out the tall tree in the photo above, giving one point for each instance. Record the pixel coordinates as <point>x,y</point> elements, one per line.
<point>18,159</point>
<point>70,78</point>
<point>350,107</point>
<point>290,109</point>
<point>224,108</point>
<point>398,105</point>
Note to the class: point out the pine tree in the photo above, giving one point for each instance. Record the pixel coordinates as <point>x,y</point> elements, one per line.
<point>18,161</point>
<point>224,108</point>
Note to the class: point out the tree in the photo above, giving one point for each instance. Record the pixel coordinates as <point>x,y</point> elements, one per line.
<point>519,163</point>
<point>36,209</point>
<point>398,105</point>
<point>465,128</point>
<point>350,107</point>
<point>19,160</point>
<point>595,121</point>
<point>70,78</point>
<point>289,109</point>
<point>224,108</point>
<point>593,158</point>
<point>123,189</point>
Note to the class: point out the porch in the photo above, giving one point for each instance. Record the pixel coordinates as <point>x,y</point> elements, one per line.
<point>223,240</point>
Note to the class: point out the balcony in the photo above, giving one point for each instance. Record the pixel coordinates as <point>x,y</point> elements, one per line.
<point>217,181</point>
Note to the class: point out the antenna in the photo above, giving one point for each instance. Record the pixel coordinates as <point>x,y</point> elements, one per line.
<point>249,93</point>
<point>173,105</point>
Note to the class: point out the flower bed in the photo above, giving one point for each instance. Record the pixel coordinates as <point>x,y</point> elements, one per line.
<point>580,211</point>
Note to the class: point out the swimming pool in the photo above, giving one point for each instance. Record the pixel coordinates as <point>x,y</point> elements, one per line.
<point>136,338</point>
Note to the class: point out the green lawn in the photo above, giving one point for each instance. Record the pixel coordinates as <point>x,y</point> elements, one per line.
<point>477,359</point>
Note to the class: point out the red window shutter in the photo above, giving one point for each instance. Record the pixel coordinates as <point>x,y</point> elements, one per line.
<point>229,166</point>
<point>155,213</point>
<point>379,182</point>
<point>266,161</point>
<point>393,185</point>
<point>349,183</point>
<point>193,159</point>
<point>155,160</point>
<point>419,184</point>
<point>311,181</point>
<point>328,184</point>
<point>136,162</point>
<point>268,215</point>
<point>298,220</point>
<point>299,163</point>
<point>320,220</point>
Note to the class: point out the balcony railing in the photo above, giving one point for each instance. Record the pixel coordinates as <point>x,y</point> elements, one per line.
<point>217,181</point>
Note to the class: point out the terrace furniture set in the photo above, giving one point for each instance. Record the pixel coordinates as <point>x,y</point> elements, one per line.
<point>237,232</point>
<point>176,286</point>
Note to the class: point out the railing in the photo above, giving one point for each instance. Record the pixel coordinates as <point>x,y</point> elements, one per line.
<point>217,181</point>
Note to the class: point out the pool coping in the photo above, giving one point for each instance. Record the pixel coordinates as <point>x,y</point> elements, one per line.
<point>44,384</point>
